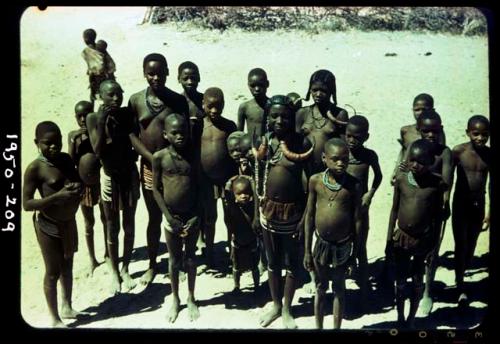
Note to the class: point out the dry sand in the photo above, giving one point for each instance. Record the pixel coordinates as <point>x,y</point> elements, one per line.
<point>380,87</point>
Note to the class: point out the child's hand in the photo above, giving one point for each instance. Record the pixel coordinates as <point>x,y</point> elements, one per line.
<point>393,180</point>
<point>351,265</point>
<point>69,192</point>
<point>403,166</point>
<point>192,222</point>
<point>366,200</point>
<point>308,262</point>
<point>299,231</point>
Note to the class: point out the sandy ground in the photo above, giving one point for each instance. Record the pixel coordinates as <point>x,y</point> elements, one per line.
<point>379,87</point>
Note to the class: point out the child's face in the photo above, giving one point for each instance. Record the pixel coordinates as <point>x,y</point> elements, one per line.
<point>233,147</point>
<point>101,47</point>
<point>176,133</point>
<point>112,95</point>
<point>418,161</point>
<point>189,79</point>
<point>81,113</point>
<point>88,39</point>
<point>213,107</point>
<point>258,84</point>
<point>336,158</point>
<point>355,136</point>
<point>320,92</point>
<point>155,74</point>
<point>50,144</point>
<point>430,129</point>
<point>478,133</point>
<point>242,192</point>
<point>419,106</point>
<point>280,118</point>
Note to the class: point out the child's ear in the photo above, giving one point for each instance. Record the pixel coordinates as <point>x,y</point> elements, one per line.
<point>367,136</point>
<point>323,158</point>
<point>267,83</point>
<point>36,141</point>
<point>164,134</point>
<point>166,71</point>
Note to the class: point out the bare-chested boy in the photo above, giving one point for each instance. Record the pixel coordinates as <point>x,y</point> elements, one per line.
<point>149,108</point>
<point>323,119</point>
<point>251,112</point>
<point>189,77</point>
<point>431,129</point>
<point>242,215</point>
<point>54,176</point>
<point>79,147</point>
<point>216,165</point>
<point>416,206</point>
<point>176,190</point>
<point>333,214</point>
<point>361,159</point>
<point>109,129</point>
<point>472,161</point>
<point>282,157</point>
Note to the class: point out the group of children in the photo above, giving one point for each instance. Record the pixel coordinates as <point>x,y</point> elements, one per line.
<point>295,172</point>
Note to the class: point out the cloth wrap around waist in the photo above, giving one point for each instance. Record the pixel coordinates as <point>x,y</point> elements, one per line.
<point>65,230</point>
<point>279,217</point>
<point>420,245</point>
<point>337,253</point>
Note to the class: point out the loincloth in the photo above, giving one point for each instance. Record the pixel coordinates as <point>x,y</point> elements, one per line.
<point>120,189</point>
<point>420,246</point>
<point>280,212</point>
<point>335,253</point>
<point>182,218</point>
<point>65,230</point>
<point>146,176</point>
<point>244,257</point>
<point>91,195</point>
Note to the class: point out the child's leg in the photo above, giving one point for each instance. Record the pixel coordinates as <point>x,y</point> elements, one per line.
<point>67,311</point>
<point>274,277</point>
<point>256,278</point>
<point>52,252</point>
<point>460,236</point>
<point>88,218</point>
<point>290,246</point>
<point>338,281</point>
<point>104,224</point>
<point>431,264</point>
<point>402,261</point>
<point>363,258</point>
<point>236,279</point>
<point>174,245</point>
<point>113,228</point>
<point>322,280</point>
<point>210,219</point>
<point>418,288</point>
<point>190,249</point>
<point>128,218</point>
<point>153,233</point>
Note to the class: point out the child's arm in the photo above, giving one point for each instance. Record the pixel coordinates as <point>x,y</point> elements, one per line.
<point>95,124</point>
<point>139,147</point>
<point>394,213</point>
<point>447,175</point>
<point>241,118</point>
<point>401,154</point>
<point>72,146</point>
<point>357,222</point>
<point>309,224</point>
<point>31,183</point>
<point>157,184</point>
<point>377,180</point>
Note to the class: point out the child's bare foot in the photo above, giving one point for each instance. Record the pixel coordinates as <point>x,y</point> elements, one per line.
<point>116,287</point>
<point>193,312</point>
<point>148,277</point>
<point>174,311</point>
<point>288,320</point>
<point>92,266</point>
<point>182,276</point>
<point>69,313</point>
<point>128,282</point>
<point>57,323</point>
<point>270,316</point>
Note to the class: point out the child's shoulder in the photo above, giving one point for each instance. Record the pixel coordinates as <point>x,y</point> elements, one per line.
<point>460,148</point>
<point>408,127</point>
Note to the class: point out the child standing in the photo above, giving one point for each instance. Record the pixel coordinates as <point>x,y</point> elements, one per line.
<point>54,176</point>
<point>472,161</point>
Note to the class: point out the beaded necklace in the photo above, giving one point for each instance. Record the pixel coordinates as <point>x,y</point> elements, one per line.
<point>335,188</point>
